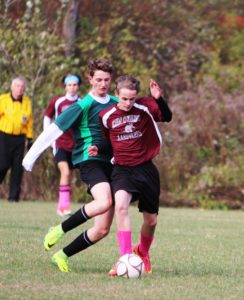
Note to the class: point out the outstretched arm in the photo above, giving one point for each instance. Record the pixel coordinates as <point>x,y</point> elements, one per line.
<point>45,139</point>
<point>46,122</point>
<point>156,92</point>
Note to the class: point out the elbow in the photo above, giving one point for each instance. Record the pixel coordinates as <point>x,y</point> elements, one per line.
<point>168,118</point>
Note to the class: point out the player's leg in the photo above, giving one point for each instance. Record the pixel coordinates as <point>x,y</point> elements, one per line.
<point>123,222</point>
<point>122,186</point>
<point>4,156</point>
<point>102,200</point>
<point>146,239</point>
<point>63,160</point>
<point>122,202</point>
<point>63,207</point>
<point>149,189</point>
<point>97,176</point>
<point>147,231</point>
<point>101,192</point>
<point>100,229</point>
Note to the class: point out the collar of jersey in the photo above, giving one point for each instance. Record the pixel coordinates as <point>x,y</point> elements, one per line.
<point>71,98</point>
<point>102,100</point>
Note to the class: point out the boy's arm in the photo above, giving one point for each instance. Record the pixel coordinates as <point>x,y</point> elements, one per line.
<point>46,122</point>
<point>45,139</point>
<point>104,147</point>
<point>165,110</point>
<point>156,92</point>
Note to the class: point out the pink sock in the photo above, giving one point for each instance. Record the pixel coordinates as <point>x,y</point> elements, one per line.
<point>124,240</point>
<point>145,244</point>
<point>64,197</point>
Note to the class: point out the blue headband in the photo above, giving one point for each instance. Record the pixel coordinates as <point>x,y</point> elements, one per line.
<point>71,78</point>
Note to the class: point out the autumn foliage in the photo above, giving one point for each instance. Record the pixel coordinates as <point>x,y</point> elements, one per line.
<point>195,53</point>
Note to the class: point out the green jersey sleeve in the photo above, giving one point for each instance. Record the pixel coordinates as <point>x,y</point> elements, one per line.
<point>68,118</point>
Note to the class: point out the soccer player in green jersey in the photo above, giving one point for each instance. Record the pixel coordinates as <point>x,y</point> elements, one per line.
<point>83,118</point>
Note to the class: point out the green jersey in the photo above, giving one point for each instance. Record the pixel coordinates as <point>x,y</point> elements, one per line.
<point>83,118</point>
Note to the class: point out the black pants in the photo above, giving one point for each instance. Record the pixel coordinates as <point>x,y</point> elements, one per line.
<point>11,155</point>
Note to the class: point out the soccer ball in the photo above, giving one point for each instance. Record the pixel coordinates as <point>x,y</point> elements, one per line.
<point>130,266</point>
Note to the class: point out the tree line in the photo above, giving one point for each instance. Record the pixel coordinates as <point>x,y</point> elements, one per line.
<point>193,49</point>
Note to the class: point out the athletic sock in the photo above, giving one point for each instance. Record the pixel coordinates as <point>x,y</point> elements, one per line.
<point>124,240</point>
<point>145,244</point>
<point>75,220</point>
<point>64,197</point>
<point>79,244</point>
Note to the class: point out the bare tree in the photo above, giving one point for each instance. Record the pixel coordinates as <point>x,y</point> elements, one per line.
<point>70,25</point>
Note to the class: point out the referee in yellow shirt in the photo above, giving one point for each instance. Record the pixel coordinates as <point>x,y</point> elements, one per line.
<point>15,128</point>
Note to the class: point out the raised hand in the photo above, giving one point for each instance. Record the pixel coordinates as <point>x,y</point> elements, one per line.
<point>155,89</point>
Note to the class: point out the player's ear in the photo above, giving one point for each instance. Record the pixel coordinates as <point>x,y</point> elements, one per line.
<point>116,92</point>
<point>89,77</point>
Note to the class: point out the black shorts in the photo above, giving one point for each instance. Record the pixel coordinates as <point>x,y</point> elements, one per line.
<point>63,155</point>
<point>142,182</point>
<point>95,171</point>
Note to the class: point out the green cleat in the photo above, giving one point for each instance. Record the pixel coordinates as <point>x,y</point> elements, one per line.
<point>54,234</point>
<point>60,259</point>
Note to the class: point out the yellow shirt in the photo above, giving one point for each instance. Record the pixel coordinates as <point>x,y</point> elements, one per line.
<point>15,116</point>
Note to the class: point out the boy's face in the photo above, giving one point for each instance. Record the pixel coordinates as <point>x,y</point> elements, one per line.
<point>100,83</point>
<point>72,88</point>
<point>126,98</point>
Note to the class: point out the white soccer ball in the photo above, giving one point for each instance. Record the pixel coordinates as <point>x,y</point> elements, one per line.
<point>130,266</point>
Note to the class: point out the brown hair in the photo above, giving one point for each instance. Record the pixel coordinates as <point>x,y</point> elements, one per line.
<point>128,82</point>
<point>100,64</point>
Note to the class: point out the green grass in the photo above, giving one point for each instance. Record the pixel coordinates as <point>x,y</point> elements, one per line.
<point>197,254</point>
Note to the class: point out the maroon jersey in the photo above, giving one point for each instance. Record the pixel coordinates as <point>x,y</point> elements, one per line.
<point>134,135</point>
<point>56,106</point>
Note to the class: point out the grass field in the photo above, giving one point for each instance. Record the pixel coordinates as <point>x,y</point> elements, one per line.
<point>197,254</point>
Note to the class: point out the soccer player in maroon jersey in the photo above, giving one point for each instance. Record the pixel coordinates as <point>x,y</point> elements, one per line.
<point>62,147</point>
<point>130,126</point>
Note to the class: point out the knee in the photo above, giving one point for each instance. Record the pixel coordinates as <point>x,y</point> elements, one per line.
<point>151,221</point>
<point>102,232</point>
<point>121,209</point>
<point>105,204</point>
<point>65,174</point>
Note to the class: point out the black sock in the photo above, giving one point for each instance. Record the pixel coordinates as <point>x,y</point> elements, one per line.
<point>80,243</point>
<point>75,220</point>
